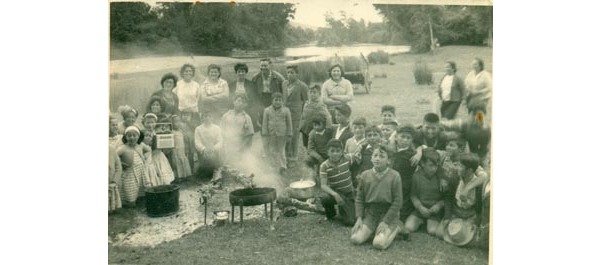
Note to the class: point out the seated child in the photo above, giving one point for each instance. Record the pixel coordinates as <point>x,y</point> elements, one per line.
<point>378,201</point>
<point>401,163</point>
<point>209,144</point>
<point>358,129</point>
<point>336,184</point>
<point>237,129</point>
<point>276,131</point>
<point>428,135</point>
<point>425,195</point>
<point>342,130</point>
<point>312,107</point>
<point>461,203</point>
<point>362,156</point>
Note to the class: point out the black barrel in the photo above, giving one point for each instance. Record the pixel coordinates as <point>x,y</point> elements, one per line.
<point>162,200</point>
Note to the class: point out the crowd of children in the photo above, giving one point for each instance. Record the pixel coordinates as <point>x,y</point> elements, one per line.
<point>385,178</point>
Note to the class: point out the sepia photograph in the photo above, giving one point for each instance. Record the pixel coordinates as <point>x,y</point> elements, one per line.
<point>300,132</point>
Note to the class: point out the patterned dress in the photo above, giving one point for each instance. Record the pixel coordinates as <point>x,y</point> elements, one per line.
<point>132,181</point>
<point>163,168</point>
<point>180,162</point>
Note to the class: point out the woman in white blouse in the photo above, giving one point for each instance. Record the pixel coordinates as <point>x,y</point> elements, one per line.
<point>215,92</point>
<point>336,90</point>
<point>188,93</point>
<point>451,91</point>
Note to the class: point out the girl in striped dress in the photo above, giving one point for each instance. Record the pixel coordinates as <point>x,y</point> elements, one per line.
<point>133,159</point>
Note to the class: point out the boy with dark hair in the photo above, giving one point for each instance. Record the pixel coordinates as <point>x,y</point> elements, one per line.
<point>318,138</point>
<point>378,202</point>
<point>428,135</point>
<point>311,108</point>
<point>401,162</point>
<point>342,116</point>
<point>388,113</point>
<point>362,156</point>
<point>425,195</point>
<point>388,116</point>
<point>461,202</point>
<point>358,129</point>
<point>336,184</point>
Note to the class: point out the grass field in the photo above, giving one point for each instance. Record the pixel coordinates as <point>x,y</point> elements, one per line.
<point>307,238</point>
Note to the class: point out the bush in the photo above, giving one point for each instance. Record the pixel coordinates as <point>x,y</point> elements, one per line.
<point>379,57</point>
<point>423,75</point>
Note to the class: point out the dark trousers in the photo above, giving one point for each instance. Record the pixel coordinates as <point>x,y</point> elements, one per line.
<point>449,109</point>
<point>304,139</point>
<point>347,213</point>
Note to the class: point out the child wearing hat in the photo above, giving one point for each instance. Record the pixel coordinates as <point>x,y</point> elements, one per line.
<point>378,202</point>
<point>336,184</point>
<point>425,195</point>
<point>342,129</point>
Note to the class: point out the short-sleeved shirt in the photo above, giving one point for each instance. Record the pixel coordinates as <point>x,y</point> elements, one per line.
<point>338,175</point>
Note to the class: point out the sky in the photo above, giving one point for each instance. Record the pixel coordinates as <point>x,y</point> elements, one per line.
<point>312,12</point>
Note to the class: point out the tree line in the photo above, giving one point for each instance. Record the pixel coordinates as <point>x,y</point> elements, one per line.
<point>424,25</point>
<point>218,28</point>
<point>206,27</point>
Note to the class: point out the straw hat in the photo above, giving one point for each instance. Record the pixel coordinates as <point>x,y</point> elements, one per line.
<point>459,232</point>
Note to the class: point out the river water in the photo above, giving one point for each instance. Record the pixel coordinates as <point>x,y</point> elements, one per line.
<point>353,50</point>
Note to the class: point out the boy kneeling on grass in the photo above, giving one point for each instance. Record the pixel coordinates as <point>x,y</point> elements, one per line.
<point>426,195</point>
<point>336,184</point>
<point>378,202</point>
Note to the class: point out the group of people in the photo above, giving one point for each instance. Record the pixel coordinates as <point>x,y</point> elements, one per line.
<point>385,178</point>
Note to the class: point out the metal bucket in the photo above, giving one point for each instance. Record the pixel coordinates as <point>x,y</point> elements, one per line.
<point>162,200</point>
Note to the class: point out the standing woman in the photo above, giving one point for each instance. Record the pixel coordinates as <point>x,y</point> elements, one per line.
<point>243,85</point>
<point>169,99</point>
<point>336,90</point>
<point>479,85</point>
<point>188,92</point>
<point>215,92</point>
<point>295,94</point>
<point>451,91</point>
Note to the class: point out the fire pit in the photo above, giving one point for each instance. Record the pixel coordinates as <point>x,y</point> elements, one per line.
<point>251,197</point>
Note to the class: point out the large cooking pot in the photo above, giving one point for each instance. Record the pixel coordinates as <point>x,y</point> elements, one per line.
<point>302,190</point>
<point>162,200</point>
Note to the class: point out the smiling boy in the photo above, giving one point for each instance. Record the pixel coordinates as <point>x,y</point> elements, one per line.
<point>336,184</point>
